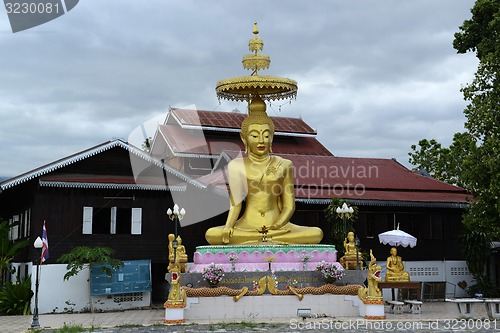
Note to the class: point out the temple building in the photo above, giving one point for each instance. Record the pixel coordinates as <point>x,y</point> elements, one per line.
<point>117,195</point>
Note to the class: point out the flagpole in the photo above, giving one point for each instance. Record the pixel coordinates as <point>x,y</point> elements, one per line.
<point>38,245</point>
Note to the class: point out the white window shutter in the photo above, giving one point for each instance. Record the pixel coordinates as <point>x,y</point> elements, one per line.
<point>15,229</point>
<point>26,222</point>
<point>136,221</point>
<point>113,221</point>
<point>10,230</point>
<point>29,223</point>
<point>87,220</point>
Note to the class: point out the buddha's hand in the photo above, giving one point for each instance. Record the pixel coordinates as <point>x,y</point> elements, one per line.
<point>277,227</point>
<point>227,232</point>
<point>279,231</point>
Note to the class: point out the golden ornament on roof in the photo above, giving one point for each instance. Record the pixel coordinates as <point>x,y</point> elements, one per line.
<point>269,88</point>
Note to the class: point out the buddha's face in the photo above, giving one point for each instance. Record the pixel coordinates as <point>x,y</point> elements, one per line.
<point>259,139</point>
<point>350,237</point>
<point>394,252</point>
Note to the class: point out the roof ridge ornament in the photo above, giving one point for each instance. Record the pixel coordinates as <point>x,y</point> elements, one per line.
<point>256,61</point>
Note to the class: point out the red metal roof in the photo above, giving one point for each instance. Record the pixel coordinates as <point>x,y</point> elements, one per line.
<point>325,177</point>
<point>208,142</point>
<point>233,120</point>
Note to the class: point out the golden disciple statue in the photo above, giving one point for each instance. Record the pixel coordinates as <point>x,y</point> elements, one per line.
<point>266,182</point>
<point>180,256</point>
<point>351,256</point>
<point>395,268</point>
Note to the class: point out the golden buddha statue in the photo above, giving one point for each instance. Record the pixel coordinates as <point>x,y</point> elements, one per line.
<point>266,183</point>
<point>180,256</point>
<point>395,268</point>
<point>352,258</point>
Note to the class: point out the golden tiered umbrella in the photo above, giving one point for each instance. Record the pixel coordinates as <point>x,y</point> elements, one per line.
<point>244,88</point>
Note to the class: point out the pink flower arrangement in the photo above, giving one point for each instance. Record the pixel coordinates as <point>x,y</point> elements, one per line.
<point>329,270</point>
<point>213,273</point>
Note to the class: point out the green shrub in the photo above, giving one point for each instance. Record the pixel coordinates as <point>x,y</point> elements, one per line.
<point>15,298</point>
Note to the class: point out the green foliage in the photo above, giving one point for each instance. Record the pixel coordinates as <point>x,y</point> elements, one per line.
<point>445,164</point>
<point>485,286</point>
<point>337,234</point>
<point>8,248</point>
<point>476,247</point>
<point>81,256</point>
<point>480,33</point>
<point>15,298</point>
<point>71,329</point>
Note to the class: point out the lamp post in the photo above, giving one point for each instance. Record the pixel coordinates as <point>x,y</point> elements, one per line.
<point>176,215</point>
<point>345,212</point>
<point>38,245</point>
<point>356,242</point>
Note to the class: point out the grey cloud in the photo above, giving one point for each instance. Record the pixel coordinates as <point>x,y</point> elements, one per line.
<point>374,76</point>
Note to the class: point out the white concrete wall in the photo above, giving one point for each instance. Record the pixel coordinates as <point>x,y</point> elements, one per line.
<point>449,271</point>
<point>119,302</point>
<point>57,295</point>
<point>266,307</point>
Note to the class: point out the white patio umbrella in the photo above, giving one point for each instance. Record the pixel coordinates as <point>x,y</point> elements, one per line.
<point>397,237</point>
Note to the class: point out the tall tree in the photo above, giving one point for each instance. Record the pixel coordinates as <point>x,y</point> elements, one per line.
<point>481,168</point>
<point>473,159</point>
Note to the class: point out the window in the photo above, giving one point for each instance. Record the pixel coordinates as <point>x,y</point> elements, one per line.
<point>370,226</point>
<point>14,230</point>
<point>112,220</point>
<point>437,226</point>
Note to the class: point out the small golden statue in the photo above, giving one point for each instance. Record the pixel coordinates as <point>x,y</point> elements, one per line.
<point>176,295</point>
<point>395,268</point>
<point>180,257</point>
<point>372,291</point>
<point>352,258</point>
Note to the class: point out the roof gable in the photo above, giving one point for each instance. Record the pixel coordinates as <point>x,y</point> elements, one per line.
<point>72,159</point>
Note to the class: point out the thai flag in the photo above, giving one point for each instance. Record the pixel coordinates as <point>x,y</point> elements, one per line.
<point>45,244</point>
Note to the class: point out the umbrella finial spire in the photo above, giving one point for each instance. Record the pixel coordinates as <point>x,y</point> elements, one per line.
<point>398,226</point>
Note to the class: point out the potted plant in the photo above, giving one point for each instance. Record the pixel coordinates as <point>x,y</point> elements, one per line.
<point>213,274</point>
<point>330,272</point>
<point>305,257</point>
<point>232,259</point>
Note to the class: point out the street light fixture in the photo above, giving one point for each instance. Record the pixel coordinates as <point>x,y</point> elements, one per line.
<point>38,245</point>
<point>176,215</point>
<point>345,212</point>
<point>356,242</point>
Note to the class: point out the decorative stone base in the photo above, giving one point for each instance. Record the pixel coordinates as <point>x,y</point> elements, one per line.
<point>174,316</point>
<point>374,309</point>
<point>238,280</point>
<point>253,258</point>
<point>269,307</point>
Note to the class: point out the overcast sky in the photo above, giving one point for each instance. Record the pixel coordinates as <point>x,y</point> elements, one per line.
<point>374,76</point>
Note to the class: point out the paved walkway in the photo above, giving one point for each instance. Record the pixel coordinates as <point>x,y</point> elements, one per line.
<point>128,321</point>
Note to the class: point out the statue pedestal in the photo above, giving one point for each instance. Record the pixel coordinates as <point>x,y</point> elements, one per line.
<point>374,309</point>
<point>174,313</point>
<point>255,258</point>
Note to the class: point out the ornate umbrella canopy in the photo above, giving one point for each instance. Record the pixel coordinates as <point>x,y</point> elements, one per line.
<point>244,88</point>
<point>396,238</point>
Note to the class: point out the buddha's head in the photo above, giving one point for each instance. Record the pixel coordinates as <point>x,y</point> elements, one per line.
<point>394,251</point>
<point>350,236</point>
<point>257,129</point>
